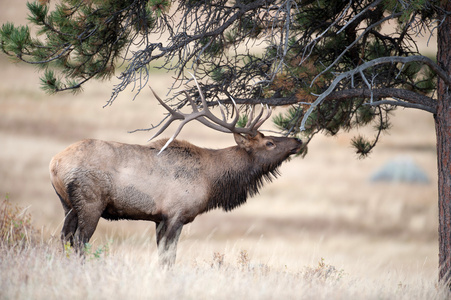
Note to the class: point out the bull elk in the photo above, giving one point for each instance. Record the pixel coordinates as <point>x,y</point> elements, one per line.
<point>168,182</point>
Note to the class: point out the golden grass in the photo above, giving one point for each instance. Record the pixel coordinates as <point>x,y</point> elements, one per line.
<point>43,271</point>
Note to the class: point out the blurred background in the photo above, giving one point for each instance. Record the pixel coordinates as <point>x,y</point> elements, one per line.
<point>325,205</point>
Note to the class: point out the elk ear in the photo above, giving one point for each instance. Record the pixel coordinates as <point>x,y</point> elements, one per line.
<point>243,141</point>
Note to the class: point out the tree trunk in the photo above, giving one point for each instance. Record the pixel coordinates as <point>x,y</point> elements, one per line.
<point>443,132</point>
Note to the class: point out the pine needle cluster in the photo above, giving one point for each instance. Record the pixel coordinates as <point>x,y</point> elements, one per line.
<point>78,40</point>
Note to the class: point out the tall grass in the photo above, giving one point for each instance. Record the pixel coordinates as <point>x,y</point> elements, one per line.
<point>16,230</point>
<point>46,273</point>
<point>37,269</point>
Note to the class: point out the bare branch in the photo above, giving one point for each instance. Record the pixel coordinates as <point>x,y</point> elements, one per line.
<point>410,99</point>
<point>353,43</point>
<point>422,102</point>
<point>383,60</point>
<point>372,5</point>
<point>401,103</point>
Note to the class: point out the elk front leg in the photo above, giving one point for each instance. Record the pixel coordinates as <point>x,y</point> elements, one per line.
<point>168,233</point>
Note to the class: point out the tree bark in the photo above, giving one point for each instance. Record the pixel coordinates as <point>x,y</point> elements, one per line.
<point>443,132</point>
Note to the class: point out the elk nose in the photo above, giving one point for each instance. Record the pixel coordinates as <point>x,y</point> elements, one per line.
<point>298,140</point>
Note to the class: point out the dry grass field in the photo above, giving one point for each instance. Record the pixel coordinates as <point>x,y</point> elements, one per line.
<point>321,230</point>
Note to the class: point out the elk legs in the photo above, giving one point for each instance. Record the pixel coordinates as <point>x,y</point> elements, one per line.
<point>69,227</point>
<point>168,233</point>
<point>78,233</point>
<point>86,228</point>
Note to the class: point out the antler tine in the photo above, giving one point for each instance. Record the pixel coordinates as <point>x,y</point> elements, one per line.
<point>163,128</point>
<point>222,111</point>
<point>208,114</point>
<point>252,122</point>
<point>265,118</point>
<point>202,98</point>
<point>174,115</point>
<point>171,111</point>
<point>250,117</point>
<point>191,102</point>
<point>237,112</point>
<point>174,135</point>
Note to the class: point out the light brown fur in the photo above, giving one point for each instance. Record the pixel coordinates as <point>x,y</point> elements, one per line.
<point>112,180</point>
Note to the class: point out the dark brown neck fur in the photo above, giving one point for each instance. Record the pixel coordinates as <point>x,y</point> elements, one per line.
<point>242,178</point>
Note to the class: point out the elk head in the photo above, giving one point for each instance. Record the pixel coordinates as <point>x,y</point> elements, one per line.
<point>265,149</point>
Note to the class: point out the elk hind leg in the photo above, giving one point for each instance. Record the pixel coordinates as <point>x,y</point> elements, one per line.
<point>69,228</point>
<point>70,222</point>
<point>87,224</point>
<point>88,207</point>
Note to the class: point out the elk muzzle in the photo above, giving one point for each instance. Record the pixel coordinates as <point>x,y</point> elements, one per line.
<point>298,147</point>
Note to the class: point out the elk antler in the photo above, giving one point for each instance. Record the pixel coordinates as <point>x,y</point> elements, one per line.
<point>206,117</point>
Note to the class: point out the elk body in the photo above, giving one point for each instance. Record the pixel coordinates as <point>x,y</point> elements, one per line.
<point>97,179</point>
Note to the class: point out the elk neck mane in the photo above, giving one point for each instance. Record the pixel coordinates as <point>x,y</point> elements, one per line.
<point>237,180</point>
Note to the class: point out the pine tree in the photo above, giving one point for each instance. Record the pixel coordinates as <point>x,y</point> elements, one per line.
<point>336,65</point>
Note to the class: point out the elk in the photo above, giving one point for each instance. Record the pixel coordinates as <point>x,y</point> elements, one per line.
<point>169,182</point>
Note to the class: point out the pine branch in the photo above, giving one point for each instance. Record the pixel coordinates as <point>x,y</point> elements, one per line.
<point>339,57</point>
<point>411,99</point>
<point>375,62</point>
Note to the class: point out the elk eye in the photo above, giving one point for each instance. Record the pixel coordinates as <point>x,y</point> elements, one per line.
<point>269,144</point>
